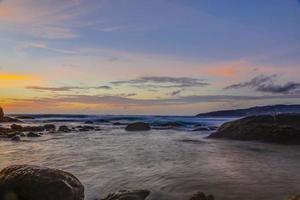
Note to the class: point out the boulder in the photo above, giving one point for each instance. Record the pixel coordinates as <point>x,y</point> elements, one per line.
<point>138,126</point>
<point>88,122</point>
<point>25,182</point>
<point>202,196</point>
<point>1,114</point>
<point>128,195</point>
<point>281,128</point>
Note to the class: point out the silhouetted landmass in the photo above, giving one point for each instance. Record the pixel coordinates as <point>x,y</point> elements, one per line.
<point>259,110</point>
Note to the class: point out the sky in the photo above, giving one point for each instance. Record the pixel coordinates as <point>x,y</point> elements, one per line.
<point>164,57</point>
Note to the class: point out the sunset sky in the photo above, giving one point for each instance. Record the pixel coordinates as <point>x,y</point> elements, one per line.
<point>148,56</point>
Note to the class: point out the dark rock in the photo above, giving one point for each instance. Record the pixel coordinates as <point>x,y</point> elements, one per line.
<point>16,127</point>
<point>16,138</point>
<point>191,141</point>
<point>89,122</point>
<point>49,127</point>
<point>128,195</point>
<point>202,196</point>
<point>1,114</point>
<point>138,126</point>
<point>282,128</point>
<point>64,129</point>
<point>117,123</point>
<point>32,134</point>
<point>26,182</point>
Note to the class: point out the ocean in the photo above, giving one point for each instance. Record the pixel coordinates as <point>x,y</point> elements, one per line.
<point>173,160</point>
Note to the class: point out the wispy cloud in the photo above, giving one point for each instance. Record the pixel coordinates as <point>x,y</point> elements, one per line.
<point>163,82</point>
<point>66,88</point>
<point>44,46</point>
<point>264,83</point>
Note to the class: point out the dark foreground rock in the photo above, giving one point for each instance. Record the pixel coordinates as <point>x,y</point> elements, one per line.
<point>128,195</point>
<point>24,182</point>
<point>138,126</point>
<point>282,128</point>
<point>297,197</point>
<point>202,196</point>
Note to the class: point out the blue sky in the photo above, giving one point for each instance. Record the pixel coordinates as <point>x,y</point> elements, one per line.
<point>169,56</point>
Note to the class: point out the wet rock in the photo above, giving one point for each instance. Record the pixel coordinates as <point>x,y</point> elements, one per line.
<point>16,127</point>
<point>64,129</point>
<point>11,120</point>
<point>191,141</point>
<point>49,127</point>
<point>32,134</point>
<point>202,196</point>
<point>16,138</point>
<point>88,122</point>
<point>128,195</point>
<point>138,126</point>
<point>282,128</point>
<point>25,182</point>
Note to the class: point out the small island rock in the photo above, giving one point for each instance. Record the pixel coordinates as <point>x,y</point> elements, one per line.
<point>138,126</point>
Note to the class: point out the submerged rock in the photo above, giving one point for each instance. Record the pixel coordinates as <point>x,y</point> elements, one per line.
<point>282,128</point>
<point>25,182</point>
<point>32,134</point>
<point>88,122</point>
<point>202,196</point>
<point>138,126</point>
<point>16,138</point>
<point>128,195</point>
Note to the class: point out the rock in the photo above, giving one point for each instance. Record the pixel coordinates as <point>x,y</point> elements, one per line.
<point>16,127</point>
<point>32,134</point>
<point>1,114</point>
<point>16,138</point>
<point>11,120</point>
<point>33,128</point>
<point>89,122</point>
<point>138,126</point>
<point>282,128</point>
<point>49,127</point>
<point>64,129</point>
<point>202,196</point>
<point>25,182</point>
<point>201,129</point>
<point>128,195</point>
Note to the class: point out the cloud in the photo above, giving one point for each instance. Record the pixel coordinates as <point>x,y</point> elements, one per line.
<point>263,83</point>
<point>162,82</point>
<point>66,88</point>
<point>116,100</point>
<point>44,46</point>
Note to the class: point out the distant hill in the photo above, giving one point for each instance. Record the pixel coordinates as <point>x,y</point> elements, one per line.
<point>259,110</point>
